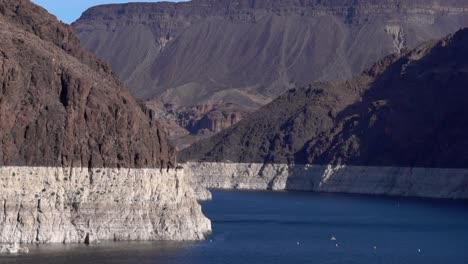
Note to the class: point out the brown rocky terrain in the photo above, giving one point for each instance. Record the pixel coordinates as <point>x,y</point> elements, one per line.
<point>186,125</point>
<point>239,55</point>
<point>60,106</point>
<point>80,160</point>
<point>408,110</point>
<point>209,118</point>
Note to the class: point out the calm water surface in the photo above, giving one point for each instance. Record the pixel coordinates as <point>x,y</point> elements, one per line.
<point>267,227</point>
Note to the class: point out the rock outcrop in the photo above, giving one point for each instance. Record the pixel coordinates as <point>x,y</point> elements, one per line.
<point>83,205</point>
<point>80,160</point>
<point>246,53</point>
<point>60,106</point>
<point>13,248</point>
<point>406,113</point>
<point>209,118</point>
<point>393,181</point>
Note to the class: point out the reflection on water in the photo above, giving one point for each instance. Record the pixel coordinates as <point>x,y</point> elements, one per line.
<point>295,227</point>
<point>106,252</point>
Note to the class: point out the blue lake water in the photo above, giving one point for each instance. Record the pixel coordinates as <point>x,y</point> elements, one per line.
<point>296,227</point>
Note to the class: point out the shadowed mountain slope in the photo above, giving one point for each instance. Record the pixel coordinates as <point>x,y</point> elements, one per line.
<point>408,110</point>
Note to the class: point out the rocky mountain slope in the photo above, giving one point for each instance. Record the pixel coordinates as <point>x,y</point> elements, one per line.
<point>80,160</point>
<point>235,56</point>
<point>60,106</point>
<point>397,129</point>
<point>407,110</point>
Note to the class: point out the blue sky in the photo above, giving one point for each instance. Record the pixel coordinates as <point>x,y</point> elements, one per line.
<point>70,10</point>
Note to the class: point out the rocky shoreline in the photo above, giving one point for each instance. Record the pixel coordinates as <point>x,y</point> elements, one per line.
<point>81,205</point>
<point>393,181</point>
<point>13,249</point>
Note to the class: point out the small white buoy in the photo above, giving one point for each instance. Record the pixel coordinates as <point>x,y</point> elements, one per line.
<point>375,247</point>
<point>298,243</point>
<point>211,241</point>
<point>336,245</point>
<point>419,250</point>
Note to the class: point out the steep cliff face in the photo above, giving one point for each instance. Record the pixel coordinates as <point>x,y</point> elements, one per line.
<point>60,106</point>
<point>394,181</point>
<point>85,205</point>
<point>404,114</point>
<point>248,52</point>
<point>80,160</point>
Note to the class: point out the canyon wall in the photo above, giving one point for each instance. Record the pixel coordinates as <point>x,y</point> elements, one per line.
<point>394,181</point>
<point>80,159</point>
<point>82,205</point>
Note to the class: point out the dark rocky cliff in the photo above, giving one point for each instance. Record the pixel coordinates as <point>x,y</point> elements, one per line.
<point>408,110</point>
<point>60,106</point>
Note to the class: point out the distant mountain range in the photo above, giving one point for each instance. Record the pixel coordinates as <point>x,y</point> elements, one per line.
<point>408,110</point>
<point>209,63</point>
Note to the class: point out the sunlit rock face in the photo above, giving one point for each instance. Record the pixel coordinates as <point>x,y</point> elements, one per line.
<point>80,159</point>
<point>81,205</point>
<point>395,181</point>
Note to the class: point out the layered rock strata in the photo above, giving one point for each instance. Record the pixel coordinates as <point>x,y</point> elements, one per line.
<point>393,181</point>
<point>81,205</point>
